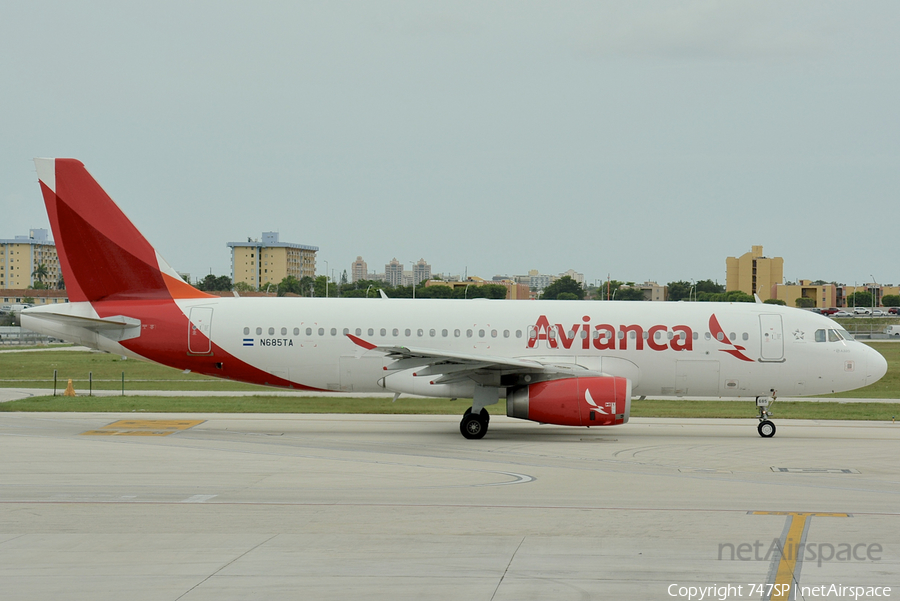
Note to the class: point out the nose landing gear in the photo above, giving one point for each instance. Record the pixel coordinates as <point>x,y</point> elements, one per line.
<point>765,428</point>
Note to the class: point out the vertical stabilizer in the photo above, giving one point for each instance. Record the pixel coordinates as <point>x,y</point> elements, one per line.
<point>102,255</point>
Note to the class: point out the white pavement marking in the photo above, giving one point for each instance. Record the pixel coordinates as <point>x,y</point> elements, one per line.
<point>199,498</point>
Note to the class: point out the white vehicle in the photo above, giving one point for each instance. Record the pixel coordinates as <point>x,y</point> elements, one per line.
<point>862,311</point>
<point>892,330</point>
<point>556,362</point>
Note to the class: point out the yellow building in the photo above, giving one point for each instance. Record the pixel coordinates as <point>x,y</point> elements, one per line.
<point>35,297</point>
<point>825,295</point>
<point>877,291</point>
<point>270,261</point>
<point>754,273</point>
<point>514,291</point>
<point>21,257</point>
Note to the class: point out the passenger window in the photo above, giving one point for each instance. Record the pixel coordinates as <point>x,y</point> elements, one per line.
<point>570,334</point>
<point>518,333</point>
<point>432,333</point>
<point>745,336</point>
<point>670,335</point>
<point>596,334</point>
<point>820,335</point>
<point>258,331</point>
<point>468,333</point>
<point>271,331</point>
<point>632,334</point>
<point>493,333</point>
<point>481,333</point>
<point>296,331</point>
<point>321,331</point>
<point>334,331</point>
<point>246,331</point>
<point>395,332</point>
<point>707,335</point>
<point>552,333</point>
<point>407,332</point>
<point>371,331</point>
<point>506,333</point>
<point>732,336</point>
<point>583,334</point>
<point>456,333</point>
<point>444,333</point>
<point>309,331</point>
<point>697,336</point>
<point>383,332</point>
<point>359,331</point>
<point>346,331</point>
<point>621,335</point>
<point>284,331</point>
<point>420,333</point>
<point>532,333</point>
<point>720,336</point>
<point>645,335</point>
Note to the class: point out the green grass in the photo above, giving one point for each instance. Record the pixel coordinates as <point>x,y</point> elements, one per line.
<point>35,370</point>
<point>245,404</point>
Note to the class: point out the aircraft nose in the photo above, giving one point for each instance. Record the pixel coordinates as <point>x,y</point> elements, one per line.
<point>876,366</point>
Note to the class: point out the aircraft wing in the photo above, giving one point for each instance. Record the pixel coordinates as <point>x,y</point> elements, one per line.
<point>454,367</point>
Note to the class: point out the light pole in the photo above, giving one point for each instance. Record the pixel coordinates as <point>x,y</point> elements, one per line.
<point>874,293</point>
<point>326,279</point>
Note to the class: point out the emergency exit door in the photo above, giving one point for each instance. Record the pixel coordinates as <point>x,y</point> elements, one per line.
<point>771,338</point>
<point>200,331</point>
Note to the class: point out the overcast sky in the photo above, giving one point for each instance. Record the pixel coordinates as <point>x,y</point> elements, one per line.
<point>646,140</point>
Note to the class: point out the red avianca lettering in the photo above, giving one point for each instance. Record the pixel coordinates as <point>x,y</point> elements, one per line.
<point>606,336</point>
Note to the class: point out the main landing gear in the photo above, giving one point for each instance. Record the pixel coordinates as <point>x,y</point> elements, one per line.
<point>765,428</point>
<point>474,425</point>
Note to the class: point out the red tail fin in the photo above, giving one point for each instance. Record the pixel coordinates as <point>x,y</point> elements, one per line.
<point>102,255</point>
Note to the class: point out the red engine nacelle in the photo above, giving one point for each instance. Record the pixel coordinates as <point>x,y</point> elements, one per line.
<point>598,401</point>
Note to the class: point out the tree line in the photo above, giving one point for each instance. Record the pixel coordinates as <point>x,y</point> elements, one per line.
<point>565,288</point>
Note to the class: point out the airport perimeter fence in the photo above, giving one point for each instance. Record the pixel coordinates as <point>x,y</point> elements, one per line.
<point>868,328</point>
<point>19,336</point>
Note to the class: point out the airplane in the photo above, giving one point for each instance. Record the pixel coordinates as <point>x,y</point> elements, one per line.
<point>555,362</point>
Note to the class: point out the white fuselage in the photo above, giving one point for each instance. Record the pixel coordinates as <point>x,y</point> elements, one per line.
<point>663,348</point>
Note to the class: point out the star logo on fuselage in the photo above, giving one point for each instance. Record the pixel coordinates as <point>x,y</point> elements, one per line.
<point>798,334</point>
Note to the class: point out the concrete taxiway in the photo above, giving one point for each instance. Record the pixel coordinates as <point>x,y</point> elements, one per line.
<point>196,507</point>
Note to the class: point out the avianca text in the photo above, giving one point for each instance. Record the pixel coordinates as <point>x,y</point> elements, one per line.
<point>605,336</point>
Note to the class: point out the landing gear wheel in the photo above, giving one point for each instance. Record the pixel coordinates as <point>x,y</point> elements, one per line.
<point>766,429</point>
<point>484,414</point>
<point>474,426</point>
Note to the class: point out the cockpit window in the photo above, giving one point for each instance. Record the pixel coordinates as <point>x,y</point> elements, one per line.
<point>833,336</point>
<point>820,335</point>
<point>845,335</point>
